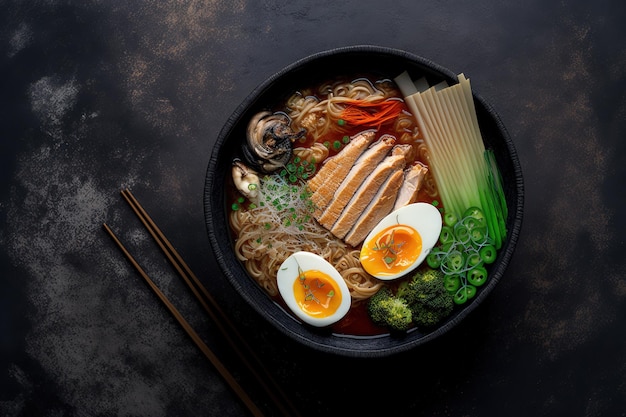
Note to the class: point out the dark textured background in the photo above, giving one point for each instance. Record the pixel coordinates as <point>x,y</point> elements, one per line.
<point>100,95</point>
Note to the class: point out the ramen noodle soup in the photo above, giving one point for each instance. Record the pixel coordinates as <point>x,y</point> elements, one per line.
<point>317,172</point>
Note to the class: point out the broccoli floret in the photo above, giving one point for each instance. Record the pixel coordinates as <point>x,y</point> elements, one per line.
<point>434,311</point>
<point>405,291</point>
<point>390,311</point>
<point>421,300</point>
<point>427,284</point>
<point>427,297</point>
<point>375,302</point>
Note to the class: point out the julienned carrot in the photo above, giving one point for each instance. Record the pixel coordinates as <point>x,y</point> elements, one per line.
<point>371,113</point>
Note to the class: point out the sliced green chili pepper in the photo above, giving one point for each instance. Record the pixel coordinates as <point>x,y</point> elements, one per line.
<point>473,258</point>
<point>454,261</point>
<point>460,297</point>
<point>464,293</point>
<point>478,235</point>
<point>470,290</point>
<point>450,219</point>
<point>476,213</point>
<point>433,259</point>
<point>477,276</point>
<point>452,283</point>
<point>446,235</point>
<point>471,223</point>
<point>488,254</point>
<point>461,233</point>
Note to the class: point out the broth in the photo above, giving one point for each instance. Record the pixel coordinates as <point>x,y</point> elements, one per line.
<point>318,111</point>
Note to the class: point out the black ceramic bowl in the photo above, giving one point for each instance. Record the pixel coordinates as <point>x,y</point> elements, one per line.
<point>387,63</point>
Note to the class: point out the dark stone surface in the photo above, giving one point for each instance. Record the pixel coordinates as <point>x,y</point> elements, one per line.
<point>96,96</point>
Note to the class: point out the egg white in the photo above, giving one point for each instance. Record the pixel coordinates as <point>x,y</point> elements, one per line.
<point>424,218</point>
<point>288,274</point>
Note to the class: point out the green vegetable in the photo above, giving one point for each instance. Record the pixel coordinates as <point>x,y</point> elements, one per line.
<point>450,219</point>
<point>422,300</point>
<point>466,247</point>
<point>390,311</point>
<point>488,254</point>
<point>433,259</point>
<point>466,173</point>
<point>464,293</point>
<point>477,276</point>
<point>452,283</point>
<point>427,296</point>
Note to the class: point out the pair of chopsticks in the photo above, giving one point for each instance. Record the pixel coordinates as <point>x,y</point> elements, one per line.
<point>220,319</point>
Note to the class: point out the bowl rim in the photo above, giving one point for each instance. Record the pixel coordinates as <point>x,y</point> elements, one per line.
<point>294,329</point>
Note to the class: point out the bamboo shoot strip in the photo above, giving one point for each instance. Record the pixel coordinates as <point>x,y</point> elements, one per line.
<point>444,158</point>
<point>189,330</point>
<point>466,174</point>
<point>454,144</point>
<point>437,167</point>
<point>406,84</point>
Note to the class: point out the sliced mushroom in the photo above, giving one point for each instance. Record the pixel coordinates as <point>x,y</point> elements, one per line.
<point>246,179</point>
<point>269,141</point>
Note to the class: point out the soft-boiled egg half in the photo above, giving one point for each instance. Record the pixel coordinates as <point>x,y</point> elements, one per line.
<point>401,241</point>
<point>313,289</point>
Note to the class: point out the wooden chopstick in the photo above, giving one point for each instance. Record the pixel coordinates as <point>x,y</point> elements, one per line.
<point>219,317</point>
<point>232,382</point>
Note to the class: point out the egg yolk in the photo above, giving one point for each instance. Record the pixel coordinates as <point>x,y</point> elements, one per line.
<point>316,293</point>
<point>391,251</point>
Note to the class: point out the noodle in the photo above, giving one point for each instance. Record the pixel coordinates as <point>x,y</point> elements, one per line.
<point>264,248</point>
<point>316,153</point>
<point>267,234</point>
<point>318,116</point>
<point>358,281</point>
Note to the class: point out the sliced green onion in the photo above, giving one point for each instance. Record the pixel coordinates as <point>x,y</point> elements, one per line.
<point>473,258</point>
<point>453,263</point>
<point>433,259</point>
<point>461,233</point>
